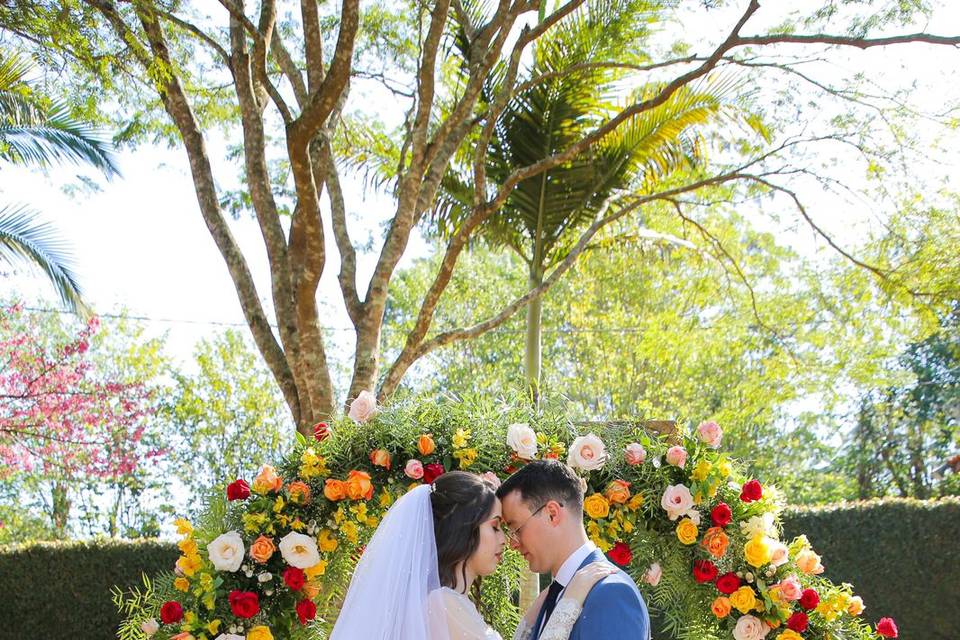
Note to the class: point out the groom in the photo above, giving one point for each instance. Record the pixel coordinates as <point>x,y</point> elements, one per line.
<point>543,511</point>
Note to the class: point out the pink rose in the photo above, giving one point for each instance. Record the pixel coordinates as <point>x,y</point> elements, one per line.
<point>635,453</point>
<point>587,453</point>
<point>779,554</point>
<point>491,478</point>
<point>653,574</point>
<point>676,501</point>
<point>790,588</point>
<point>710,433</point>
<point>750,628</point>
<point>677,456</point>
<point>363,407</point>
<point>413,469</point>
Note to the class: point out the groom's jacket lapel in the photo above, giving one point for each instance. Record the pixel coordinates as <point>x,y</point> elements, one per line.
<point>595,556</point>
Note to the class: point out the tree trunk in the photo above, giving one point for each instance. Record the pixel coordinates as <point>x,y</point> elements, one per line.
<point>61,508</point>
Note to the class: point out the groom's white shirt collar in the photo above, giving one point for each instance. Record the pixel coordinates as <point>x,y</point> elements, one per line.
<point>573,562</point>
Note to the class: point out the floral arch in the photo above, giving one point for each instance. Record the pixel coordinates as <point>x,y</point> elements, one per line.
<point>271,556</point>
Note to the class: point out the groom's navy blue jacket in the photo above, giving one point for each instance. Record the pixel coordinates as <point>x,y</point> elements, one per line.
<point>614,609</point>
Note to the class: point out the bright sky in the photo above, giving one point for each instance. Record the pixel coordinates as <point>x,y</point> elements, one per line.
<point>141,244</point>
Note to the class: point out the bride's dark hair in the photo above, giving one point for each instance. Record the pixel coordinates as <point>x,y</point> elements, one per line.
<point>461,501</point>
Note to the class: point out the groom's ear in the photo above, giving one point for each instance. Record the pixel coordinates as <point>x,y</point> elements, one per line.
<point>555,513</point>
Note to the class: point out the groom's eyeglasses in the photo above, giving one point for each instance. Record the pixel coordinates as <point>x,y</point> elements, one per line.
<point>514,534</point>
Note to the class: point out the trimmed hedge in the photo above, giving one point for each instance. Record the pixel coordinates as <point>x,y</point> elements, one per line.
<point>62,590</point>
<point>901,555</point>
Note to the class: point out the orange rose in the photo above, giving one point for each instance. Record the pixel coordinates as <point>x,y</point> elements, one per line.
<point>267,481</point>
<point>426,445</point>
<point>618,492</point>
<point>721,607</point>
<point>359,485</point>
<point>310,590</point>
<point>261,549</point>
<point>380,458</point>
<point>335,489</point>
<point>299,492</point>
<point>715,541</point>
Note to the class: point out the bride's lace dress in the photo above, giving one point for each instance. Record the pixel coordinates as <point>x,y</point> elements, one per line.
<point>465,622</point>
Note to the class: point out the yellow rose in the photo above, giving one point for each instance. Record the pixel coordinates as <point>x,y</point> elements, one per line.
<point>596,506</point>
<point>316,570</point>
<point>855,606</point>
<point>426,445</point>
<point>326,541</point>
<point>261,549</point>
<point>267,480</point>
<point>181,584</point>
<point>789,634</point>
<point>687,531</point>
<point>721,607</point>
<point>259,633</point>
<point>757,551</point>
<point>743,599</point>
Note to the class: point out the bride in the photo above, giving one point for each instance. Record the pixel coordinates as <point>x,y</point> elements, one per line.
<point>413,578</point>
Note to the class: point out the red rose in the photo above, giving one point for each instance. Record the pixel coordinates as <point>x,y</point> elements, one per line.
<point>321,431</point>
<point>621,554</point>
<point>244,604</point>
<point>171,612</point>
<point>721,515</point>
<point>306,611</point>
<point>728,583</point>
<point>432,471</point>
<point>238,490</point>
<point>752,491</point>
<point>887,628</point>
<point>294,578</point>
<point>798,622</point>
<point>809,599</point>
<point>704,571</point>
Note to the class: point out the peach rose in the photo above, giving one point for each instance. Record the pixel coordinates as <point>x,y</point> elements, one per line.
<point>359,485</point>
<point>413,469</point>
<point>809,562</point>
<point>380,458</point>
<point>855,606</point>
<point>635,454</point>
<point>262,548</point>
<point>587,453</point>
<point>779,554</point>
<point>790,588</point>
<point>426,445</point>
<point>267,480</point>
<point>710,433</point>
<point>335,489</point>
<point>363,407</point>
<point>299,492</point>
<point>721,607</point>
<point>618,492</point>
<point>715,541</point>
<point>677,456</point>
<point>676,501</point>
<point>750,628</point>
<point>653,574</point>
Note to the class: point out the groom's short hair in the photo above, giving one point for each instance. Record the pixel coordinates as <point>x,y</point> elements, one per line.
<point>543,480</point>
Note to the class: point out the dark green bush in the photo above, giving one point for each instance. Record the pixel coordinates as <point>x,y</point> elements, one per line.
<point>62,590</point>
<point>902,556</point>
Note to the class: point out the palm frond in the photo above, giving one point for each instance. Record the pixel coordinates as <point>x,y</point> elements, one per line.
<point>23,240</point>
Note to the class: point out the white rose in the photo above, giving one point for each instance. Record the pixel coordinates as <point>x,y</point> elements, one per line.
<point>149,626</point>
<point>587,453</point>
<point>363,407</point>
<point>653,574</point>
<point>750,628</point>
<point>298,550</point>
<point>229,636</point>
<point>779,554</point>
<point>522,439</point>
<point>676,501</point>
<point>226,552</point>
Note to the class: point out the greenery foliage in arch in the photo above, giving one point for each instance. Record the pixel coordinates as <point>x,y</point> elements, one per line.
<point>653,504</point>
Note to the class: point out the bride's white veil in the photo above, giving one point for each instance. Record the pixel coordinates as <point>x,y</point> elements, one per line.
<point>389,596</point>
